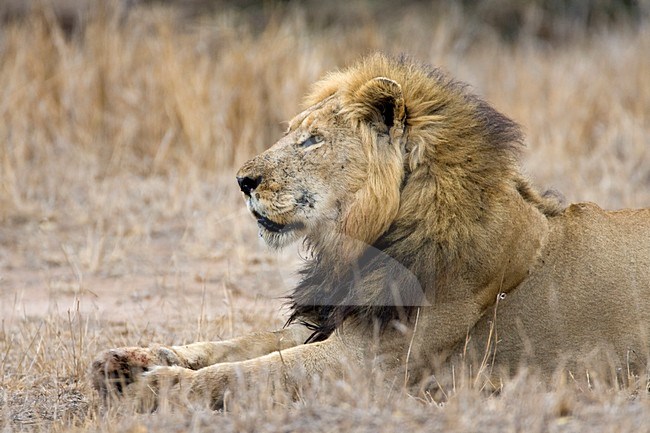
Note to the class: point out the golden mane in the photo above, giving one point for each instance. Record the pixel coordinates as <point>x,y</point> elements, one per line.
<point>458,165</point>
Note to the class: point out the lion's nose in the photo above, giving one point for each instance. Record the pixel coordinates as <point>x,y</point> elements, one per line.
<point>248,184</point>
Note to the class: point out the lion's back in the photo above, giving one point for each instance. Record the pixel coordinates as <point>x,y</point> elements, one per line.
<point>588,297</point>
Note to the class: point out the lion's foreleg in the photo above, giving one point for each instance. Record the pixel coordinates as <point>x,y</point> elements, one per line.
<point>285,370</point>
<point>203,354</point>
<point>114,369</point>
<point>443,326</point>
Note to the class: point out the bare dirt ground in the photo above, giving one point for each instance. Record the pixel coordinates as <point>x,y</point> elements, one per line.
<point>121,223</point>
<point>51,267</point>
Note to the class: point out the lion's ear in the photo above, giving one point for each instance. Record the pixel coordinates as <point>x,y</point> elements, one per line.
<point>380,101</point>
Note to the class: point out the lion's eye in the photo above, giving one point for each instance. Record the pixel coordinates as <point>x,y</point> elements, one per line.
<point>313,139</point>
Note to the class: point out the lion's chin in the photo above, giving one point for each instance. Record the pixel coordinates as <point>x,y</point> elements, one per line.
<point>279,239</point>
<point>278,235</point>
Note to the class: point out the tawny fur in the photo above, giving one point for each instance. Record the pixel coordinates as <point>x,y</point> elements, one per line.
<point>408,192</point>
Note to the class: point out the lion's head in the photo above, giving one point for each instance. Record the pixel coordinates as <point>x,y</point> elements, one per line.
<point>339,159</point>
<point>394,155</point>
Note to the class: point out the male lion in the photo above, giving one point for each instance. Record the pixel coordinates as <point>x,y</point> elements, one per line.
<point>407,190</point>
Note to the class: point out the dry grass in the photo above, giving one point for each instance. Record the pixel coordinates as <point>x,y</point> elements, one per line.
<point>120,223</point>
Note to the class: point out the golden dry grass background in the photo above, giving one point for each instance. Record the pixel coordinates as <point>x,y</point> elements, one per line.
<point>121,224</point>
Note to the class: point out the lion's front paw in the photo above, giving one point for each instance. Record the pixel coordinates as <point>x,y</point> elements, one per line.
<point>170,386</point>
<point>114,369</point>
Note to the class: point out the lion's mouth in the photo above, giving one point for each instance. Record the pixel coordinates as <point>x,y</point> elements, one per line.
<point>274,227</point>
